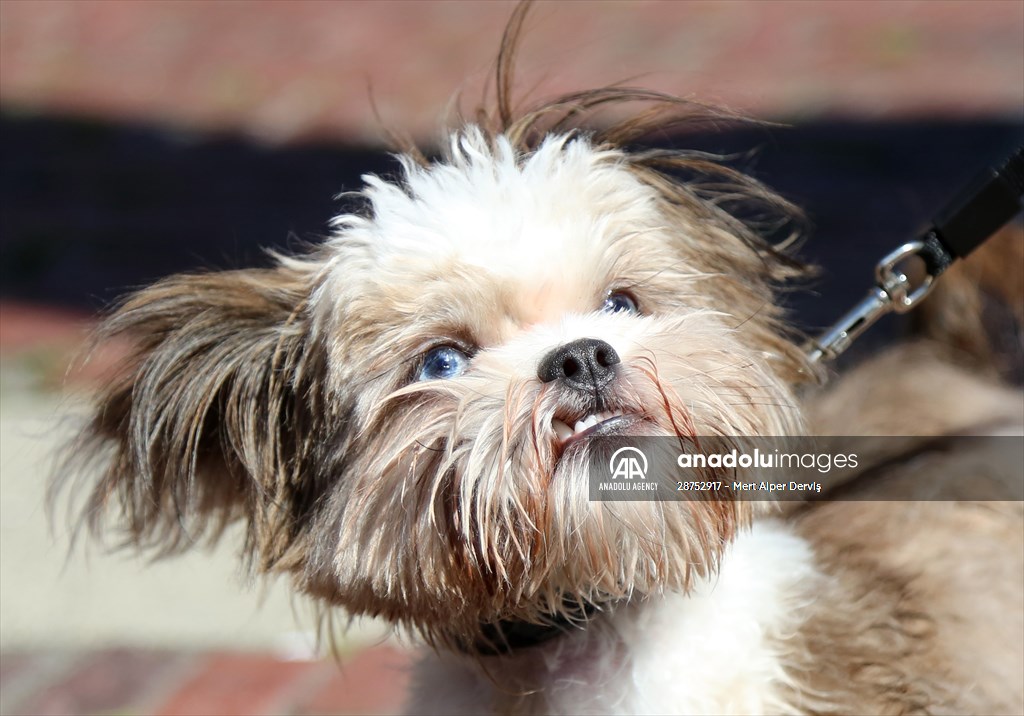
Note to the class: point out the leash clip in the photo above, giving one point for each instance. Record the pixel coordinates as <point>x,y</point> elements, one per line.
<point>893,292</point>
<point>990,201</point>
<point>895,283</point>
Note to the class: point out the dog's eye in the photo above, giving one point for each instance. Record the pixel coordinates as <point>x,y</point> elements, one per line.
<point>618,302</point>
<point>443,362</point>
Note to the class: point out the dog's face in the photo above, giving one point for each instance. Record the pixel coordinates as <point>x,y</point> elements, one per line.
<point>403,418</point>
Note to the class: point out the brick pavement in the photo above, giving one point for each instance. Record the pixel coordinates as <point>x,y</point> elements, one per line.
<point>165,683</point>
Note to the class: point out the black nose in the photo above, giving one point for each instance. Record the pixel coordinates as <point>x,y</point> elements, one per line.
<point>586,364</point>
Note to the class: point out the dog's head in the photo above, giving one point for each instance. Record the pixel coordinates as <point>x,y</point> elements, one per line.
<point>402,417</point>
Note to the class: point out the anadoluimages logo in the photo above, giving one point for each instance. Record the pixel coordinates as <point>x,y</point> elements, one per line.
<point>628,463</point>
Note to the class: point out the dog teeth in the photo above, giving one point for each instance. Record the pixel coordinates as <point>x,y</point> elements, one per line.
<point>563,431</point>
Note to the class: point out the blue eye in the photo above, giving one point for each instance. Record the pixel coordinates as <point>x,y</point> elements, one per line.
<point>443,362</point>
<point>619,302</point>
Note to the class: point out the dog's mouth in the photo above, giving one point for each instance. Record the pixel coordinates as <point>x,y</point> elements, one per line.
<point>609,422</point>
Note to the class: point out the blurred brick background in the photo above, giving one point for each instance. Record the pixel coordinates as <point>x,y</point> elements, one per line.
<point>139,138</point>
<point>295,68</point>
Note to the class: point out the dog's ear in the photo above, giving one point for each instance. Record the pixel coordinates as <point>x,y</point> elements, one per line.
<point>208,419</point>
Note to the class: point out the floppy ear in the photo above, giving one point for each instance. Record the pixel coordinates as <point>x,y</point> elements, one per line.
<point>209,419</point>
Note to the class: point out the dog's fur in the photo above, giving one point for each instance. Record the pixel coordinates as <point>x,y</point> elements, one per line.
<point>288,398</point>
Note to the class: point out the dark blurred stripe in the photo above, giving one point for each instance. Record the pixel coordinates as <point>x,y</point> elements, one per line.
<point>90,209</point>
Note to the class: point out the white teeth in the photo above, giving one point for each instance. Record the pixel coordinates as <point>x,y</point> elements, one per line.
<point>564,432</point>
<point>587,422</point>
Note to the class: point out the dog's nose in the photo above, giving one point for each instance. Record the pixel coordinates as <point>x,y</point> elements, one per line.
<point>586,364</point>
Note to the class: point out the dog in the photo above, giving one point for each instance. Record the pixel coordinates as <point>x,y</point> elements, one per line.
<point>402,419</point>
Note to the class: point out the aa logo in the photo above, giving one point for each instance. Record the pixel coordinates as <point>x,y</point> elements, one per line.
<point>628,463</point>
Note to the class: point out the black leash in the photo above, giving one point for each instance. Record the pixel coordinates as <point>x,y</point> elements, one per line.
<point>977,212</point>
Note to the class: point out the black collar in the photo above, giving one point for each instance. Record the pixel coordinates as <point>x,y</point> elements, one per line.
<point>506,636</point>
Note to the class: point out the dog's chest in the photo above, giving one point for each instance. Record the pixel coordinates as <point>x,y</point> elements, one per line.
<point>717,650</point>
<point>721,648</point>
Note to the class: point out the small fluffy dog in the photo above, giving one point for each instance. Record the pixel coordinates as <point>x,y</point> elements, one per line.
<point>402,418</point>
